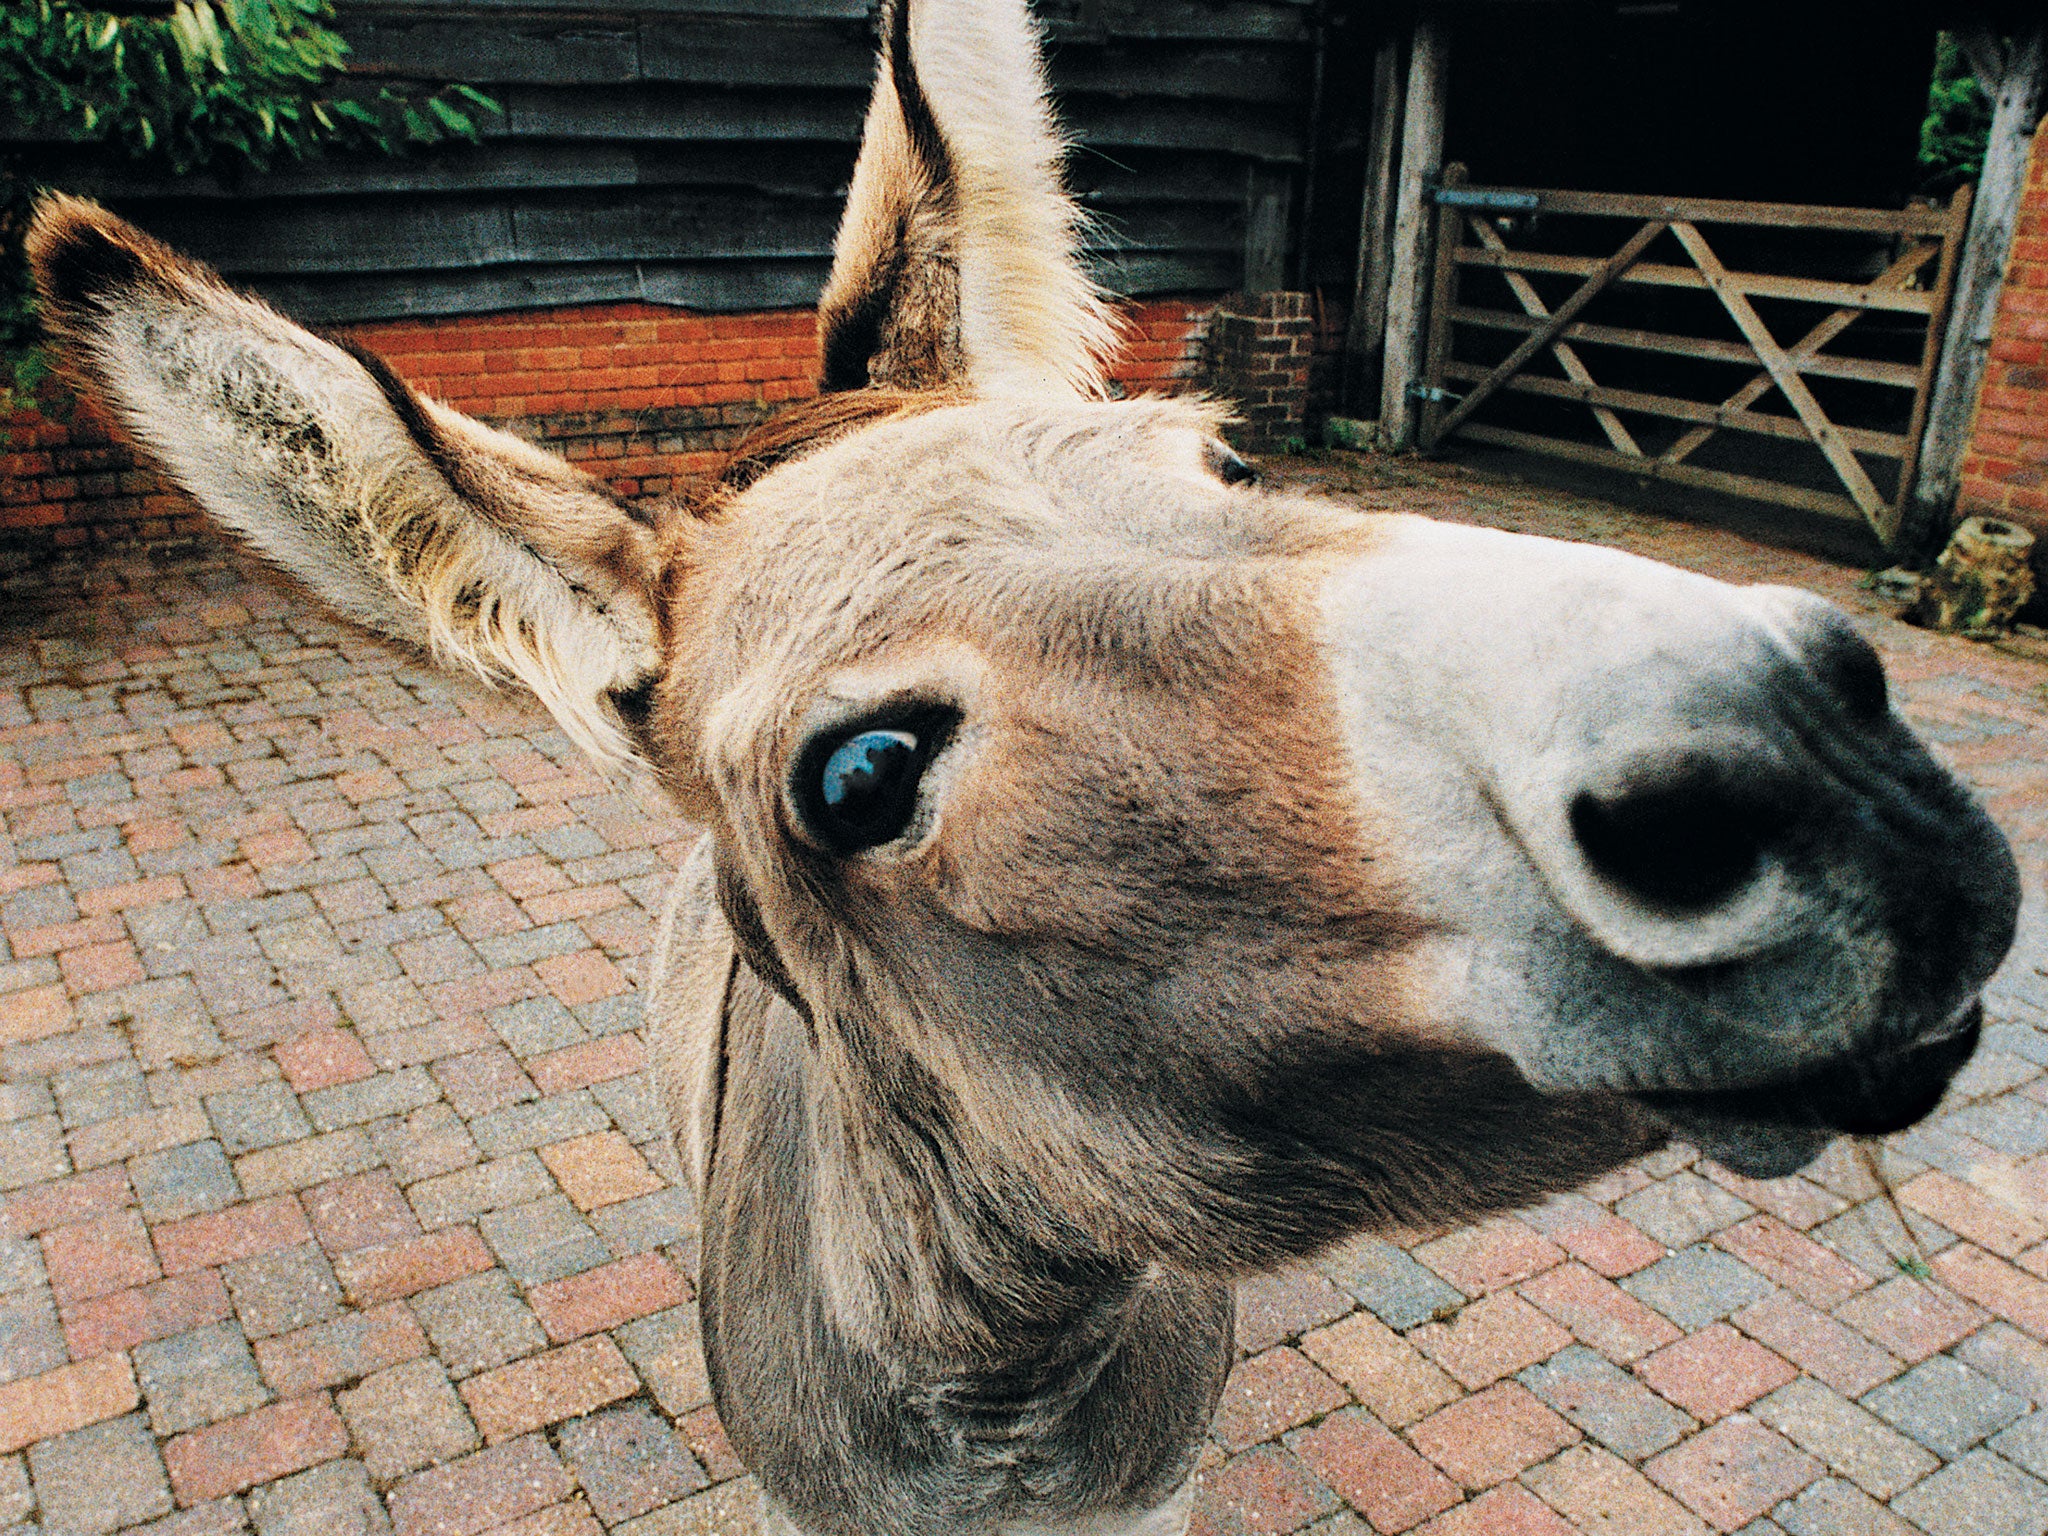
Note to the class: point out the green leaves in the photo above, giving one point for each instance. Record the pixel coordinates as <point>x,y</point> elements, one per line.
<point>225,85</point>
<point>216,83</point>
<point>1958,122</point>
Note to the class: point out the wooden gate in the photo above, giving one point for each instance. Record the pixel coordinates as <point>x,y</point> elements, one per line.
<point>1899,265</point>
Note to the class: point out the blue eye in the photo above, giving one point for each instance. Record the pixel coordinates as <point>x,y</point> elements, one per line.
<point>860,790</point>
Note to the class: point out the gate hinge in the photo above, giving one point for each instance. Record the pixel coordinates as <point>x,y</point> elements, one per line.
<point>1432,394</point>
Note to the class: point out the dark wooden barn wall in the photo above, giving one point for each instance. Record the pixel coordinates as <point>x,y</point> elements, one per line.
<point>696,152</point>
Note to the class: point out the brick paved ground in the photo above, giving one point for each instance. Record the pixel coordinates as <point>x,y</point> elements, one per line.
<point>335,1199</point>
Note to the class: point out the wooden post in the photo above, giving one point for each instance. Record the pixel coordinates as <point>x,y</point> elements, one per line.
<point>2015,77</point>
<point>1909,528</point>
<point>1422,153</point>
<point>1366,334</point>
<point>1266,200</point>
<point>1443,287</point>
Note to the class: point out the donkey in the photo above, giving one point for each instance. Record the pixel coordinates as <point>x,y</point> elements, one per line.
<point>1118,876</point>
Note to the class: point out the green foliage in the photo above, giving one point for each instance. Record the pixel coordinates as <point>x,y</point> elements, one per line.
<point>228,86</point>
<point>1957,125</point>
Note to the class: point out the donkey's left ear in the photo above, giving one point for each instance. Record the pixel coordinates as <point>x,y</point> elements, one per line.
<point>957,264</point>
<point>401,514</point>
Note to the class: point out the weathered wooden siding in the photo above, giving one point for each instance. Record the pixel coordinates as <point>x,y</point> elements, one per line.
<point>696,152</point>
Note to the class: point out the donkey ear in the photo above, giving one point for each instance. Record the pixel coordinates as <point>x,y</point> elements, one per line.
<point>956,264</point>
<point>396,511</point>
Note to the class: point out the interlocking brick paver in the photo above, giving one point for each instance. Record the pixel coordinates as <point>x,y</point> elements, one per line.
<point>390,1270</point>
<point>629,1462</point>
<point>1380,1368</point>
<point>1594,1235</point>
<point>1400,1292</point>
<point>17,1499</point>
<point>262,1115</point>
<point>183,1181</point>
<point>560,1384</point>
<point>543,1240</point>
<point>1852,1442</point>
<point>2025,1444</point>
<point>487,1488</point>
<point>1981,1495</point>
<point>1832,1507</point>
<point>1601,1494</point>
<point>66,1202</point>
<point>256,1448</point>
<point>1697,1286</point>
<point>664,1219</point>
<point>1790,1260</point>
<point>432,1140</point>
<point>224,1237</point>
<point>1489,1437</point>
<point>359,1212</point>
<point>668,1353</point>
<point>283,1290</point>
<point>480,1322</point>
<point>96,1257</point>
<point>607,1296</point>
<point>1817,1344</point>
<point>1373,1471</point>
<point>304,1164</point>
<point>1268,1394</point>
<point>600,1169</point>
<point>406,1418</point>
<point>331,1354</point>
<point>1910,1318</point>
<point>1607,1403</point>
<point>1999,1225</point>
<point>1992,1283</point>
<point>1945,1405</point>
<point>68,1398</point>
<point>197,1377</point>
<point>572,1517</point>
<point>125,1318</point>
<point>480,1081</point>
<point>1479,1260</point>
<point>1283,1305</point>
<point>707,1440</point>
<point>1714,1372</point>
<point>1599,1312</point>
<point>1492,1338</point>
<point>1681,1210</point>
<point>96,1480</point>
<point>586,1063</point>
<point>1732,1472</point>
<point>2010,1358</point>
<point>335,1499</point>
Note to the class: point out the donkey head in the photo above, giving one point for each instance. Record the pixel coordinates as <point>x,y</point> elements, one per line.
<point>1231,869</point>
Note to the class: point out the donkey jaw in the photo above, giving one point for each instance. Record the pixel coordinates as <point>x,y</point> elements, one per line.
<point>1778,1128</point>
<point>1678,848</point>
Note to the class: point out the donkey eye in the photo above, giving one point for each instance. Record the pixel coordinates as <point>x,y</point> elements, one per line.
<point>863,790</point>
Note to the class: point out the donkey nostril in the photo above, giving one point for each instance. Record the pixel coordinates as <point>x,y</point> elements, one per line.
<point>1675,831</point>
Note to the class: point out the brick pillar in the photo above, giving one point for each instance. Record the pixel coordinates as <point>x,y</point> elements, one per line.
<point>1260,347</point>
<point>2005,467</point>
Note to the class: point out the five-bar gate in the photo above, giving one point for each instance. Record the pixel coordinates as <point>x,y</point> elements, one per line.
<point>1757,297</point>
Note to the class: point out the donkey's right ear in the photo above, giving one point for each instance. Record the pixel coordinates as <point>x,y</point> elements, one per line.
<point>396,511</point>
<point>958,259</point>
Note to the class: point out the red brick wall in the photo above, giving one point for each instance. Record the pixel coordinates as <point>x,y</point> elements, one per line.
<point>2005,472</point>
<point>643,396</point>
